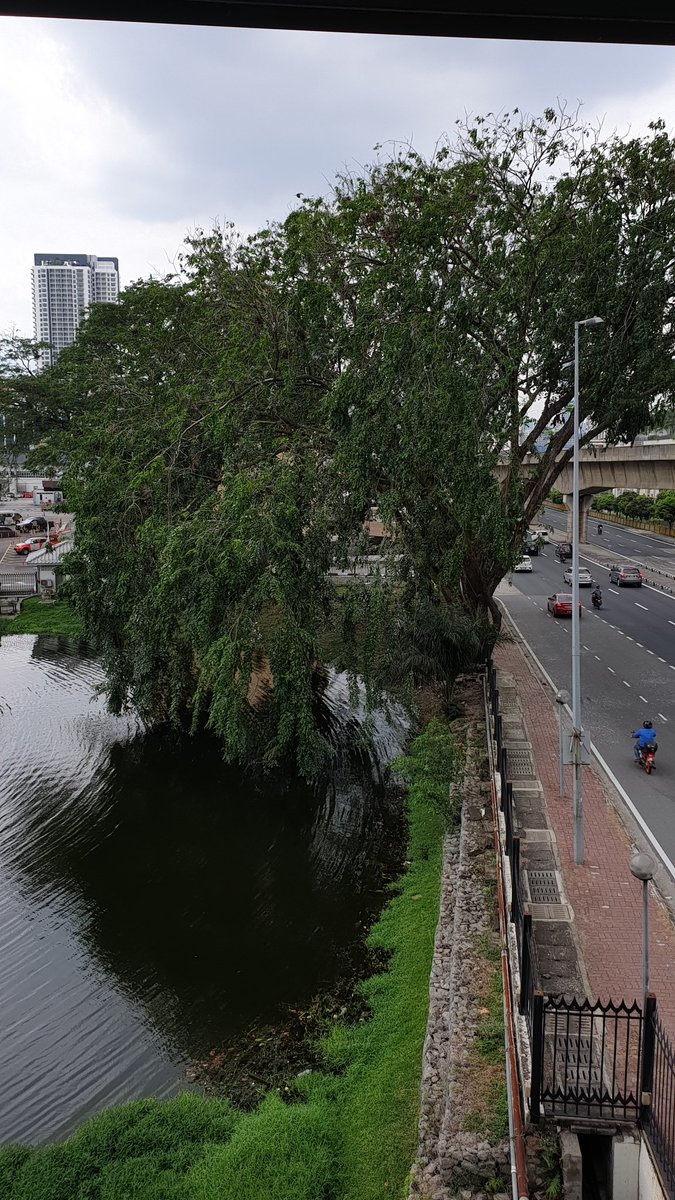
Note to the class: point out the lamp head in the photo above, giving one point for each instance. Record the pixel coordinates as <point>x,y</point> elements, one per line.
<point>592,321</point>
<point>642,866</point>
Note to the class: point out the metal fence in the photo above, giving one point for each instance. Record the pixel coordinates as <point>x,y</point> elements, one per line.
<point>18,583</point>
<point>658,1116</point>
<point>587,1059</point>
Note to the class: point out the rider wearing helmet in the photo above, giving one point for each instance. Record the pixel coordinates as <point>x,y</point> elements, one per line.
<point>646,736</point>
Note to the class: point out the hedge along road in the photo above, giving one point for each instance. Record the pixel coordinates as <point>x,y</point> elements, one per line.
<point>627,674</point>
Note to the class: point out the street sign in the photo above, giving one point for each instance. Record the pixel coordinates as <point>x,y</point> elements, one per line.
<point>568,748</point>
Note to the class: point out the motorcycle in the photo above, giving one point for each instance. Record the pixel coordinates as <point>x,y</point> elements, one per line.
<point>596,600</point>
<point>599,528</point>
<point>645,757</point>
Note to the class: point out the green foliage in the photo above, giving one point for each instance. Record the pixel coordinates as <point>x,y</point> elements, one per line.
<point>555,496</point>
<point>632,504</point>
<point>605,502</point>
<point>664,508</point>
<point>233,425</point>
<point>353,1133</point>
<point>36,617</point>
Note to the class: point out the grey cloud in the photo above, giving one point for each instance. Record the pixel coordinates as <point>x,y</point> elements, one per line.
<point>244,119</point>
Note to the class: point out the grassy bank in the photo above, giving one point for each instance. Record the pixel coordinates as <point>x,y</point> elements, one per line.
<point>37,617</point>
<point>348,1133</point>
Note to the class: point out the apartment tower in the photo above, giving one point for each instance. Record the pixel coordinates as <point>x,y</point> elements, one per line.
<point>64,287</point>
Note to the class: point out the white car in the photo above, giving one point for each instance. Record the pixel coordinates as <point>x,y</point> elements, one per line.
<point>525,564</point>
<point>584,577</point>
<point>541,532</point>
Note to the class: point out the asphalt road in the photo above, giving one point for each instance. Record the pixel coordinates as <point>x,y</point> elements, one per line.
<point>627,670</point>
<point>623,542</point>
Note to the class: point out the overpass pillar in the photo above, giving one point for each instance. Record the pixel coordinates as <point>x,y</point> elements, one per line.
<point>584,507</point>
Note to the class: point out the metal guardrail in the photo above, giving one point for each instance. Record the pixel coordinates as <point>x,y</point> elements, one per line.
<point>18,583</point>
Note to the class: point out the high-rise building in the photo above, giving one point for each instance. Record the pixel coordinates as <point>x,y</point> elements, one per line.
<point>64,287</point>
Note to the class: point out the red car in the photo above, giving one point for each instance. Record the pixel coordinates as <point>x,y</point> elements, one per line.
<point>560,604</point>
<point>31,544</point>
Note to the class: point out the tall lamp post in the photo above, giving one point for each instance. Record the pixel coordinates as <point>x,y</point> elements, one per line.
<point>577,728</point>
<point>642,867</point>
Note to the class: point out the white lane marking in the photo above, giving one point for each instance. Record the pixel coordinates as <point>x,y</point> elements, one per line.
<point>644,699</point>
<point>597,656</point>
<point>629,638</point>
<point>662,717</point>
<point>612,670</point>
<point>621,632</point>
<point>650,652</point>
<point>640,645</point>
<point>586,647</point>
<point>660,659</point>
<point>624,683</point>
<point>642,606</point>
<point>671,666</point>
<point>615,591</point>
<point>671,622</point>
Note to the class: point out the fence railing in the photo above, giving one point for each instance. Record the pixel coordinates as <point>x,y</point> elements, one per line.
<point>658,1117</point>
<point>18,583</point>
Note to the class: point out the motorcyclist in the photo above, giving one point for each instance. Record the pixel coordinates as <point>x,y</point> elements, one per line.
<point>599,526</point>
<point>646,736</point>
<point>596,596</point>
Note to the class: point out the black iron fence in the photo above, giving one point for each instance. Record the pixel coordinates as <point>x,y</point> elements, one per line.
<point>658,1115</point>
<point>590,1061</point>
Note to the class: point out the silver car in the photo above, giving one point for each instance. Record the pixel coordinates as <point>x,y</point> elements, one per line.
<point>584,577</point>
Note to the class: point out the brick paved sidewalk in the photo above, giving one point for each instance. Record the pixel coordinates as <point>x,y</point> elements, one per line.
<point>606,899</point>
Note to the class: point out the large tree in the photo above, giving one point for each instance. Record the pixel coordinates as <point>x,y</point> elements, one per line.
<point>395,344</point>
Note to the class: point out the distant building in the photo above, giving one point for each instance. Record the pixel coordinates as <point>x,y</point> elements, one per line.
<point>64,287</point>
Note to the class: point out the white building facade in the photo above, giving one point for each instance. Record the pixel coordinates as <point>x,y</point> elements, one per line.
<point>64,288</point>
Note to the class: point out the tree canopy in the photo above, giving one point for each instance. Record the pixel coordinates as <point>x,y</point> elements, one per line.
<point>392,344</point>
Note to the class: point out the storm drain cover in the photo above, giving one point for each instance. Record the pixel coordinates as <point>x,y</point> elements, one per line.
<point>543,887</point>
<point>520,764</point>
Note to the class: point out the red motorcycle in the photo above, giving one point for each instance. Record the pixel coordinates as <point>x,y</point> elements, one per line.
<point>645,757</point>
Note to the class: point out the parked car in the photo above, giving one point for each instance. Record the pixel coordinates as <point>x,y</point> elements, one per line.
<point>563,551</point>
<point>10,518</point>
<point>30,544</point>
<point>7,531</point>
<point>525,564</point>
<point>560,604</point>
<point>584,577</point>
<point>625,576</point>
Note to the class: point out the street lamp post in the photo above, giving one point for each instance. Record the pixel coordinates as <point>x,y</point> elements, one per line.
<point>642,867</point>
<point>577,728</point>
<point>562,698</point>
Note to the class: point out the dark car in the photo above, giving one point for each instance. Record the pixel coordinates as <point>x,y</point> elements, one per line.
<point>7,531</point>
<point>563,551</point>
<point>625,576</point>
<point>560,604</point>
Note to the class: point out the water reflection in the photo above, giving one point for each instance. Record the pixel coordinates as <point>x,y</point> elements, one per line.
<point>152,901</point>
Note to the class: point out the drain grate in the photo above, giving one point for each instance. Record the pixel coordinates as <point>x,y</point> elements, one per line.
<point>521,764</point>
<point>543,887</point>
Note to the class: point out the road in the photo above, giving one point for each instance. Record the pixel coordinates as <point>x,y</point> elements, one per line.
<point>627,668</point>
<point>623,542</point>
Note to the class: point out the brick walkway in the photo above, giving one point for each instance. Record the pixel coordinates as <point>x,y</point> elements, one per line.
<point>606,899</point>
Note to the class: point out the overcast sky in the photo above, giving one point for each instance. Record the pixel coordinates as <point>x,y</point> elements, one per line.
<point>120,139</point>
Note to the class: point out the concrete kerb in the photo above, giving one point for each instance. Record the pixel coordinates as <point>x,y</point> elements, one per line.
<point>636,827</point>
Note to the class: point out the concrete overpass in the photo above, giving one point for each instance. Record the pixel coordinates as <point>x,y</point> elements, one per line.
<point>601,468</point>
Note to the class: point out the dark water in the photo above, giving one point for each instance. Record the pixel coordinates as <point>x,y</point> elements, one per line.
<point>153,902</point>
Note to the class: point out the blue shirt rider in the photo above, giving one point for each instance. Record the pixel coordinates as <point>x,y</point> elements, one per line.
<point>646,736</point>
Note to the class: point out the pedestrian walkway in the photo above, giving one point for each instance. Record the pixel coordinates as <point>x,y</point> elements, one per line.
<point>605,899</point>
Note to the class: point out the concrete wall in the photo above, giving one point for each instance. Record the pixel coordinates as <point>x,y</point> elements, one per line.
<point>649,1182</point>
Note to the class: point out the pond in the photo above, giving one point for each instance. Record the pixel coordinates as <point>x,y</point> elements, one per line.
<point>155,903</point>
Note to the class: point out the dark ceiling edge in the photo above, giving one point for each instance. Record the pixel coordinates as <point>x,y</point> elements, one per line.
<point>551,25</point>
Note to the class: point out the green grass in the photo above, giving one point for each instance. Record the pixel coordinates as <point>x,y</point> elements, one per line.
<point>36,617</point>
<point>350,1132</point>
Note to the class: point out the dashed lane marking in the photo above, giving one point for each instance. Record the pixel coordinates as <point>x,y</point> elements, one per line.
<point>597,656</point>
<point>624,683</point>
<point>660,659</point>
<point>650,652</point>
<point>644,699</point>
<point>615,591</point>
<point>662,717</point>
<point>612,670</point>
<point>642,606</point>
